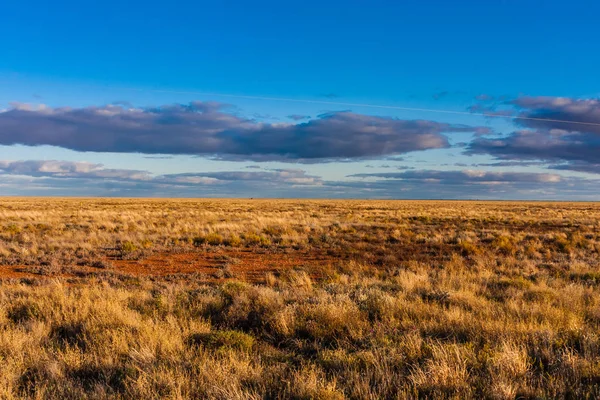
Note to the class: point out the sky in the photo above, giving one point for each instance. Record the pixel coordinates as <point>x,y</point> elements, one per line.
<point>330,99</point>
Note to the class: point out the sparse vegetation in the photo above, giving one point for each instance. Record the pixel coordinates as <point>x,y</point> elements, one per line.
<point>358,299</point>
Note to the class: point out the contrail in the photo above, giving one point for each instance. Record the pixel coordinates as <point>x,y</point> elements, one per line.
<point>367,105</point>
<point>348,104</point>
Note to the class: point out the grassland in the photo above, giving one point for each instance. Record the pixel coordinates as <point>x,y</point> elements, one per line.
<point>242,299</point>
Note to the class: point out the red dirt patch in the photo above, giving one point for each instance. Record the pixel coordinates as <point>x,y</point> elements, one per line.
<point>251,265</point>
<point>14,272</point>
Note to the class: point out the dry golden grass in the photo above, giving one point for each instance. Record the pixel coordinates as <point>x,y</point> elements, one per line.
<point>422,300</point>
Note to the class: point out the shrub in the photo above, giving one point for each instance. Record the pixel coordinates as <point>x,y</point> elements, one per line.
<point>222,339</point>
<point>213,239</point>
<point>128,247</point>
<point>23,312</point>
<point>233,241</point>
<point>198,241</point>
<point>252,239</point>
<point>71,334</point>
<point>504,244</point>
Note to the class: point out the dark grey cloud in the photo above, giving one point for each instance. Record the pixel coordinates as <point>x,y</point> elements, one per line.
<point>207,129</point>
<point>568,114</point>
<point>507,164</point>
<point>558,130</point>
<point>549,145</point>
<point>579,167</point>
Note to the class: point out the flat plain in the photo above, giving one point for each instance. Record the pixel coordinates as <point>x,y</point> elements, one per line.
<point>327,299</point>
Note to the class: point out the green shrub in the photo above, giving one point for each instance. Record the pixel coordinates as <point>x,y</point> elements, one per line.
<point>233,241</point>
<point>213,239</point>
<point>128,247</point>
<point>252,239</point>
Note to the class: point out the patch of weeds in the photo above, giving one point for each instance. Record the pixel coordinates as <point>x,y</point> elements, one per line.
<point>114,377</point>
<point>252,239</point>
<point>212,239</point>
<point>233,241</point>
<point>435,296</point>
<point>24,312</point>
<point>588,278</point>
<point>127,247</point>
<point>128,250</point>
<point>504,288</point>
<point>505,245</point>
<point>32,378</point>
<point>69,335</point>
<point>155,306</point>
<point>222,339</point>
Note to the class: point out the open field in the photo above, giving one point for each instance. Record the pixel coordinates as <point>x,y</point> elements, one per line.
<point>298,299</point>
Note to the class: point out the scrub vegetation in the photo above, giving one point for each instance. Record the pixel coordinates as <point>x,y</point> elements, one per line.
<point>229,299</point>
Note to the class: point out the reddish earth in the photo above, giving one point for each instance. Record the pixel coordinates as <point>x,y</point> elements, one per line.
<point>250,265</point>
<point>247,264</point>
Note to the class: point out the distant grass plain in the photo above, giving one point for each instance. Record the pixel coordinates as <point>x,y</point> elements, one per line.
<point>325,299</point>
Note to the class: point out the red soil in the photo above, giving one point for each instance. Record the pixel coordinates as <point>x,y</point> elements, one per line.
<point>250,265</point>
<point>246,264</point>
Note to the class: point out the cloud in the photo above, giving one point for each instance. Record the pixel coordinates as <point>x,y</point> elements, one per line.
<point>65,178</point>
<point>68,169</point>
<point>579,167</point>
<point>484,97</point>
<point>207,129</point>
<point>292,176</point>
<point>508,164</point>
<point>465,177</point>
<point>558,130</point>
<point>568,114</point>
<point>298,117</point>
<point>71,169</point>
<point>490,111</point>
<point>472,184</point>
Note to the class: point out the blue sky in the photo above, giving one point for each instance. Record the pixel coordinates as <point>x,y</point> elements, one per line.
<point>260,99</point>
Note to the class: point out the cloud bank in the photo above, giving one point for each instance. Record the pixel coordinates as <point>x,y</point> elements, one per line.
<point>205,128</point>
<point>562,131</point>
<point>36,177</point>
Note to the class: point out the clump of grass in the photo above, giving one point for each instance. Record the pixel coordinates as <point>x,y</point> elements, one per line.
<point>24,311</point>
<point>252,239</point>
<point>211,239</point>
<point>222,340</point>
